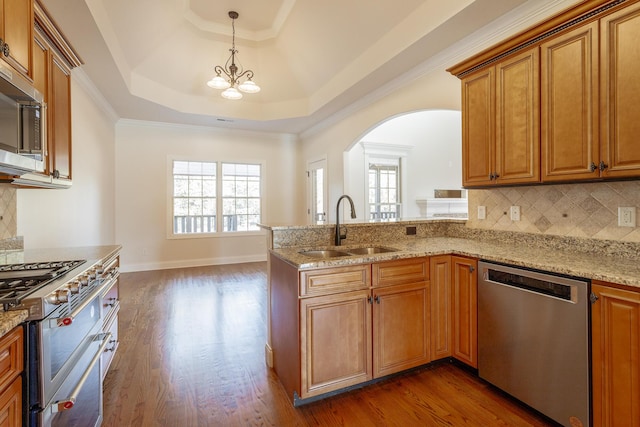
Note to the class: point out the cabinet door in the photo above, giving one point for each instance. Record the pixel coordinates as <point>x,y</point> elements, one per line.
<point>11,404</point>
<point>620,62</point>
<point>335,338</point>
<point>478,128</point>
<point>569,71</point>
<point>60,119</point>
<point>465,310</point>
<point>517,119</point>
<point>615,341</point>
<point>17,32</point>
<point>441,307</point>
<point>400,328</point>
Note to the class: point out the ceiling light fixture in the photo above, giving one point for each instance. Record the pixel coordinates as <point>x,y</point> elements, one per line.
<point>233,72</point>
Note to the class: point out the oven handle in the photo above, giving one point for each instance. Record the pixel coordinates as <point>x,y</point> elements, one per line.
<point>67,320</point>
<point>64,404</point>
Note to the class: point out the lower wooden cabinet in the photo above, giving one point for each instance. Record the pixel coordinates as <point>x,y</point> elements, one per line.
<point>441,307</point>
<point>335,338</point>
<point>11,366</point>
<point>400,328</point>
<point>465,309</point>
<point>326,337</point>
<point>615,341</point>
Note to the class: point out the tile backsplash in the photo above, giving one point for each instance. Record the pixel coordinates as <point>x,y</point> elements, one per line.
<point>576,210</point>
<point>8,212</point>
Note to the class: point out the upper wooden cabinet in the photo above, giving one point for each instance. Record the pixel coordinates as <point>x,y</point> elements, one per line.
<point>500,122</point>
<point>16,32</point>
<point>570,117</point>
<point>557,102</point>
<point>620,92</point>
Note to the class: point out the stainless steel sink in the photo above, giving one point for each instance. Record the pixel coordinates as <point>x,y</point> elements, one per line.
<point>329,253</point>
<point>370,250</point>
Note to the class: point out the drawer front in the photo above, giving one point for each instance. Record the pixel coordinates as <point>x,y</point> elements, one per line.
<point>400,272</point>
<point>110,351</point>
<point>334,280</point>
<point>11,356</point>
<point>110,301</point>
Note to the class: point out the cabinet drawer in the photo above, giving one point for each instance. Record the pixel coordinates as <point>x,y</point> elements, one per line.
<point>400,272</point>
<point>332,280</point>
<point>11,356</point>
<point>110,351</point>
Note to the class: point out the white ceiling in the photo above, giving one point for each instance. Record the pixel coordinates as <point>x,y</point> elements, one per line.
<point>151,59</point>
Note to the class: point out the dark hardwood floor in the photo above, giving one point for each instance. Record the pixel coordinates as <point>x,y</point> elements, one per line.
<point>192,354</point>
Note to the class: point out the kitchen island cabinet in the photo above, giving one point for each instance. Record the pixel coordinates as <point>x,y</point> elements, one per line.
<point>337,327</point>
<point>615,340</point>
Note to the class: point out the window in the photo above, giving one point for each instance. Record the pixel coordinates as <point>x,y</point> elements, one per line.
<point>198,195</point>
<point>317,190</point>
<point>384,190</point>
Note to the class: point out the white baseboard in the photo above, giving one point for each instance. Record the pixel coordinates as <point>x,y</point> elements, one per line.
<point>165,265</point>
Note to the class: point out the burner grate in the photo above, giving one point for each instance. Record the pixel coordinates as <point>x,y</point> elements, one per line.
<point>19,280</point>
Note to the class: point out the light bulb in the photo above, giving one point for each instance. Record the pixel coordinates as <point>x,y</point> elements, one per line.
<point>249,87</point>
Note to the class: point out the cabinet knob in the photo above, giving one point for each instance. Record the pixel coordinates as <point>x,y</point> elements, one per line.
<point>369,299</point>
<point>377,299</point>
<point>471,269</point>
<point>5,49</point>
<point>602,166</point>
<point>593,167</point>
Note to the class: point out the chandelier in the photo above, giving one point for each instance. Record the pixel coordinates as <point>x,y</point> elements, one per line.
<point>233,73</point>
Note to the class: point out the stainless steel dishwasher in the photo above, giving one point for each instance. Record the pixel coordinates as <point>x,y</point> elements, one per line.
<point>533,339</point>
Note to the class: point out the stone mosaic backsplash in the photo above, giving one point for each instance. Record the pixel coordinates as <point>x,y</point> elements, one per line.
<point>573,210</point>
<point>8,212</point>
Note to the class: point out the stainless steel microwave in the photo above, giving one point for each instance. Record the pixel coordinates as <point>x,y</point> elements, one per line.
<point>22,124</point>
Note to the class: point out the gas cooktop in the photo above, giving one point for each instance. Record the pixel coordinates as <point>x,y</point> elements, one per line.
<point>19,280</point>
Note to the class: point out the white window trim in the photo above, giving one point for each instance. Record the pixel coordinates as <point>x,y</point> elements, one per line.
<point>378,150</point>
<point>169,198</point>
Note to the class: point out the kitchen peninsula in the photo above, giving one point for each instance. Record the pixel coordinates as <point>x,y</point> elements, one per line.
<point>439,265</point>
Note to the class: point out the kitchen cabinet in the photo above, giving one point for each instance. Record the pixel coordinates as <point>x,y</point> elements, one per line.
<point>620,92</point>
<point>441,307</point>
<point>16,33</point>
<point>401,302</point>
<point>569,63</point>
<point>465,309</point>
<point>615,341</point>
<point>500,121</point>
<point>555,103</point>
<point>337,327</point>
<point>11,366</point>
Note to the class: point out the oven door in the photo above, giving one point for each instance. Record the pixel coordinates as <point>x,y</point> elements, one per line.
<point>78,401</point>
<point>66,336</point>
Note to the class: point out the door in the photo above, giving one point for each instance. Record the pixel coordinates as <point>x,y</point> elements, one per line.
<point>620,61</point>
<point>615,341</point>
<point>317,191</point>
<point>478,128</point>
<point>569,69</point>
<point>441,307</point>
<point>400,328</point>
<point>517,119</point>
<point>335,338</point>
<point>465,310</point>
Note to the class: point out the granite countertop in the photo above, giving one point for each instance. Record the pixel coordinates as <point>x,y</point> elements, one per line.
<point>625,271</point>
<point>12,318</point>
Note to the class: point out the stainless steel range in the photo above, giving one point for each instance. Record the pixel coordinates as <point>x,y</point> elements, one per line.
<point>63,336</point>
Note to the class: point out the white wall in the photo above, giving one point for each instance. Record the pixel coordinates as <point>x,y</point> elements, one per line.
<point>142,149</point>
<point>437,90</point>
<point>434,161</point>
<point>82,215</point>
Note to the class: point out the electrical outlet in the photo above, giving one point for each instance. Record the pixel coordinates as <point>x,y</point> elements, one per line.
<point>482,212</point>
<point>627,216</point>
<point>515,213</point>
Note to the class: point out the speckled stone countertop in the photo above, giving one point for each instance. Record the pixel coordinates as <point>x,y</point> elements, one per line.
<point>11,319</point>
<point>594,266</point>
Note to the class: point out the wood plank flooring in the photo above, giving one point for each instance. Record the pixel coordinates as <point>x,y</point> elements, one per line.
<point>192,354</point>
